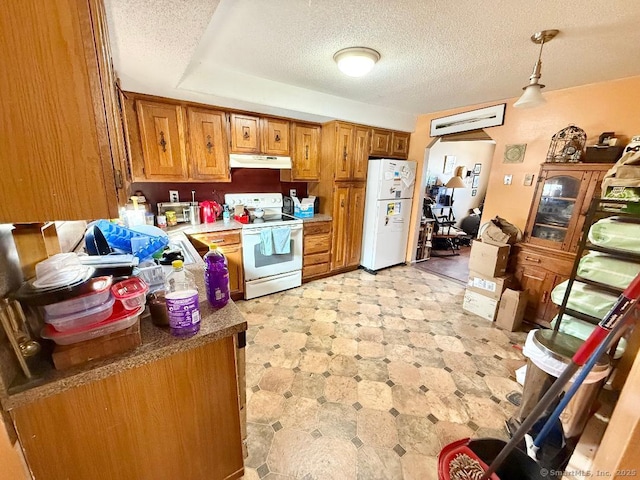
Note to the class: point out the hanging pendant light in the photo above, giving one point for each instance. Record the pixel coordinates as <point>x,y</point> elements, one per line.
<point>532,96</point>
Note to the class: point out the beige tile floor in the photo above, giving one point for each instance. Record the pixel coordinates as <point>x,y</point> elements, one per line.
<point>367,377</point>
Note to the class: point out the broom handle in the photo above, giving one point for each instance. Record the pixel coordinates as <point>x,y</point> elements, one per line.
<point>624,303</point>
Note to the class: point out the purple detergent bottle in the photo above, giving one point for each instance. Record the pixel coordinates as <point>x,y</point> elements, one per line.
<point>183,307</point>
<point>216,277</point>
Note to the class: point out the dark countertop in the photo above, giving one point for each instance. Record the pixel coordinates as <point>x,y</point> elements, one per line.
<point>319,217</point>
<point>157,343</point>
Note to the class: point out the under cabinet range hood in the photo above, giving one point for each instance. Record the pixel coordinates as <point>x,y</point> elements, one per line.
<point>259,161</point>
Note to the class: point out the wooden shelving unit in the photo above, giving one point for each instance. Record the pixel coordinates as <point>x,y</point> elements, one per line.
<point>424,240</point>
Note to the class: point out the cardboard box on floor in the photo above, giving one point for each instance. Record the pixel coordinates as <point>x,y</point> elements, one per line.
<point>480,305</point>
<point>511,310</point>
<point>487,259</point>
<point>491,287</point>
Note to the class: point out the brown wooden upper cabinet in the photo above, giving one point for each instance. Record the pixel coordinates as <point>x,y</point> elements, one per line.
<point>162,134</point>
<point>388,143</point>
<point>171,141</point>
<point>245,134</point>
<point>380,142</point>
<point>351,151</point>
<point>208,145</point>
<point>251,134</point>
<point>305,154</point>
<point>60,120</point>
<point>400,144</point>
<point>275,134</point>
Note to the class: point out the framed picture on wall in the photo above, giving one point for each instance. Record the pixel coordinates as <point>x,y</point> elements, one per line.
<point>477,168</point>
<point>514,153</point>
<point>474,192</point>
<point>449,163</point>
<point>476,181</point>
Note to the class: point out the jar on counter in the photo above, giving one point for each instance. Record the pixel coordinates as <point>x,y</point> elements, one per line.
<point>172,218</point>
<point>162,222</point>
<point>158,308</point>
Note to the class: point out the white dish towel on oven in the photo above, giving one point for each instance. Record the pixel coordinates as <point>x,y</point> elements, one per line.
<point>281,240</point>
<point>266,242</point>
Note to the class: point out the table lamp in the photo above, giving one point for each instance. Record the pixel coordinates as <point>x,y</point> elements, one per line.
<point>453,183</point>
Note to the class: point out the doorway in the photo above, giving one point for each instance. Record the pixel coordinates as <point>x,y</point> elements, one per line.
<point>457,209</point>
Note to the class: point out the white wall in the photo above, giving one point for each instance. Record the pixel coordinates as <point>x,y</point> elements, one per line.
<point>467,153</point>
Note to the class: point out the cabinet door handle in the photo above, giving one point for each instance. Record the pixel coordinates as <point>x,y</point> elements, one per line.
<point>342,203</point>
<point>306,152</point>
<point>344,153</point>
<point>277,136</point>
<point>246,133</point>
<point>162,142</point>
<point>545,295</point>
<point>533,259</point>
<point>209,145</point>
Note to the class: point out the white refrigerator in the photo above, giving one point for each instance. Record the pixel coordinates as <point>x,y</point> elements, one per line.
<point>387,210</point>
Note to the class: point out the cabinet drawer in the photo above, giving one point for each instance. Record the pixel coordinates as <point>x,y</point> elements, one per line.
<point>317,243</point>
<point>316,228</point>
<point>316,258</point>
<point>527,258</point>
<point>221,238</point>
<point>314,270</point>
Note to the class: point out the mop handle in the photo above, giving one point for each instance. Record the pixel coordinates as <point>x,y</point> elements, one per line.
<point>617,312</point>
<point>586,369</point>
<point>624,302</point>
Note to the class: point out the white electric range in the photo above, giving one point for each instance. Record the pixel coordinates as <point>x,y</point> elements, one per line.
<point>265,274</point>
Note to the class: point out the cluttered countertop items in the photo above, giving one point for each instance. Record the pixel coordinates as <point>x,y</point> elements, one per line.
<point>87,315</point>
<point>209,216</point>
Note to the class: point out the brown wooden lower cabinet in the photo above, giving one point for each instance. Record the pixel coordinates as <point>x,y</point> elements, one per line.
<point>229,244</point>
<point>316,250</point>
<point>538,270</point>
<point>348,217</point>
<point>176,417</point>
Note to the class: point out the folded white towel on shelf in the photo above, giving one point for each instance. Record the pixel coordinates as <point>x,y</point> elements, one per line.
<point>281,240</point>
<point>266,242</point>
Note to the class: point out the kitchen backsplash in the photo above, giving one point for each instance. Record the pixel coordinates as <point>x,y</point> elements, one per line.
<point>242,181</point>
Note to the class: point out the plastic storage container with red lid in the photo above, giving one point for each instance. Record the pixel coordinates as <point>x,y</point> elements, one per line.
<point>98,289</point>
<point>91,316</point>
<point>131,292</point>
<point>120,319</point>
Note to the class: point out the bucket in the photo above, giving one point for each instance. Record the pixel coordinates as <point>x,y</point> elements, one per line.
<point>517,466</point>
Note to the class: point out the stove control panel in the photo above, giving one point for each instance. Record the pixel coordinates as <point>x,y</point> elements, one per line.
<point>254,200</point>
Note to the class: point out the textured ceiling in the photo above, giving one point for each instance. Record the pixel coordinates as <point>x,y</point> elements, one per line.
<point>275,56</point>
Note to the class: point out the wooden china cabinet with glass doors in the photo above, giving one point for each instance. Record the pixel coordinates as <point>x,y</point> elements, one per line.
<point>554,226</point>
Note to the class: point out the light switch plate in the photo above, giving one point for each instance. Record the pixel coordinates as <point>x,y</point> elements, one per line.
<point>528,180</point>
<point>508,179</point>
<point>174,197</point>
<point>292,192</point>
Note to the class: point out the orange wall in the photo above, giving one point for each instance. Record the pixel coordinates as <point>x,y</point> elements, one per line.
<point>596,108</point>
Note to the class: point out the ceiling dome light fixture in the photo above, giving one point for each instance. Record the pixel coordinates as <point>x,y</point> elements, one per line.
<point>532,96</point>
<point>356,61</point>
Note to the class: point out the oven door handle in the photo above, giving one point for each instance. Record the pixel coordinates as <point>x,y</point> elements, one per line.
<point>256,231</point>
